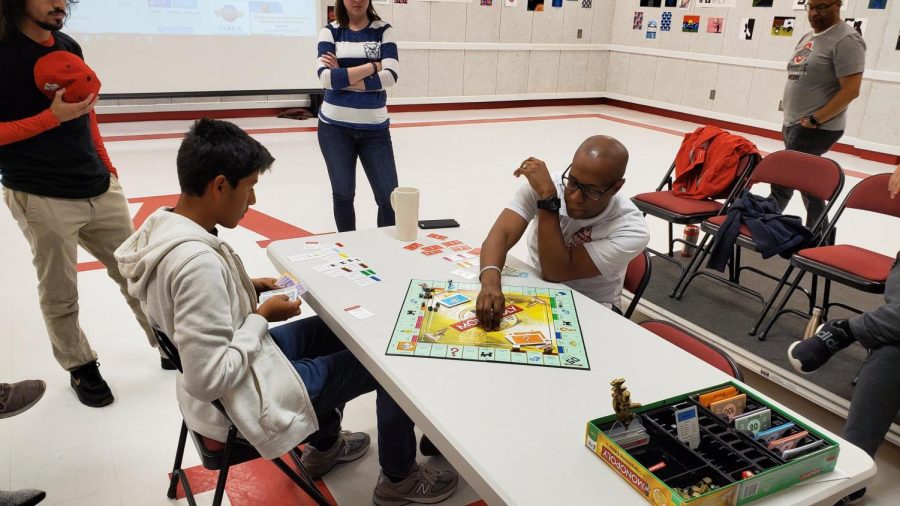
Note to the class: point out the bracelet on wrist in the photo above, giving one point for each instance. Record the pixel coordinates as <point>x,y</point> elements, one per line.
<point>488,268</point>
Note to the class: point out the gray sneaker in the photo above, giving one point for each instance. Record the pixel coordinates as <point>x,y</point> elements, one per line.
<point>424,485</point>
<point>18,397</point>
<point>348,447</point>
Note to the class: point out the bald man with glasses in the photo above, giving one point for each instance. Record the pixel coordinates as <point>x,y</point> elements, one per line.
<point>824,75</point>
<point>583,231</point>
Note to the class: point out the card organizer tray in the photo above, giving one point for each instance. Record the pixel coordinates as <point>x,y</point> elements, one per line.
<point>684,467</point>
<point>707,417</point>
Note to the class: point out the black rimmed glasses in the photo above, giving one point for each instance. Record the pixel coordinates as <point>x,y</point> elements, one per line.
<point>820,7</point>
<point>587,191</point>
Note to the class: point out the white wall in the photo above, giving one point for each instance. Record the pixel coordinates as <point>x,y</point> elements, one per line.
<point>468,52</point>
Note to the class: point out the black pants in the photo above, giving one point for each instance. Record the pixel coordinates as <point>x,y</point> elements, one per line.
<point>815,142</point>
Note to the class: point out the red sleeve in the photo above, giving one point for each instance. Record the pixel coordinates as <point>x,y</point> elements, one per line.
<point>19,130</point>
<point>99,146</point>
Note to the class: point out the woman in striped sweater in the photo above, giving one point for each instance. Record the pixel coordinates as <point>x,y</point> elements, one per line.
<point>357,62</point>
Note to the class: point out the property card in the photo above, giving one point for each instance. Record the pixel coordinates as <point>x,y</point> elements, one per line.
<point>513,272</point>
<point>687,426</point>
<point>439,237</point>
<point>412,246</point>
<point>359,312</point>
<point>287,280</point>
<point>716,395</point>
<point>465,274</point>
<point>461,247</point>
<point>309,256</point>
<point>802,450</point>
<point>787,443</point>
<point>475,251</point>
<point>451,243</point>
<point>527,338</point>
<point>730,407</point>
<point>432,252</point>
<point>754,421</point>
<point>292,292</point>
<point>365,281</point>
<point>767,436</point>
<point>454,300</point>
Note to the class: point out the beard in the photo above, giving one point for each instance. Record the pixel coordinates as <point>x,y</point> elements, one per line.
<point>52,26</point>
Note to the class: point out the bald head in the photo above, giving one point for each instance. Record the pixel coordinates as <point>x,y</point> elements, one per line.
<point>605,155</point>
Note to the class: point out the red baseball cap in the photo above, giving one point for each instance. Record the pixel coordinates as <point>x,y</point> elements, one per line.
<point>62,69</point>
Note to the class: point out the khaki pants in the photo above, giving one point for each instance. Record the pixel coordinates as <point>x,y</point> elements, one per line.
<point>54,228</point>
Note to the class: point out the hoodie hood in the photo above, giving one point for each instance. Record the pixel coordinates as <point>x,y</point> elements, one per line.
<point>163,231</point>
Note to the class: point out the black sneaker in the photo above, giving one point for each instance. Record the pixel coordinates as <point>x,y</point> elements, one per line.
<point>92,390</point>
<point>810,354</point>
<point>166,364</point>
<point>427,448</point>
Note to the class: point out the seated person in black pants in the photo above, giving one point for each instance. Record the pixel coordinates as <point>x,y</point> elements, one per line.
<point>278,386</point>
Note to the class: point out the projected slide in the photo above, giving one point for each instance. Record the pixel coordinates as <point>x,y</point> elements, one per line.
<point>282,18</point>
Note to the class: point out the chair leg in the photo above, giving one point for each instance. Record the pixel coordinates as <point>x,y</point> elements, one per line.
<point>826,299</point>
<point>771,301</point>
<point>784,301</point>
<point>223,472</point>
<point>696,264</point>
<point>179,454</point>
<point>671,240</point>
<point>307,486</point>
<point>690,267</point>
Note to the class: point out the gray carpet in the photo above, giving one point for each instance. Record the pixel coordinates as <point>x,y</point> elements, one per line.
<point>730,313</point>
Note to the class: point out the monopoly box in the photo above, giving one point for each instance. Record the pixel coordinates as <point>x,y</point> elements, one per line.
<point>724,465</point>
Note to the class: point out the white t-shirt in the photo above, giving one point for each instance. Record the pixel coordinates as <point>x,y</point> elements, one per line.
<point>611,238</point>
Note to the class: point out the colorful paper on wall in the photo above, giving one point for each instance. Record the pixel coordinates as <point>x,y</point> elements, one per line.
<point>638,22</point>
<point>783,26</point>
<point>665,22</point>
<point>859,24</point>
<point>877,4</point>
<point>762,3</point>
<point>510,3</point>
<point>651,3</point>
<point>536,5</point>
<point>716,3</point>
<point>715,25</point>
<point>690,24</point>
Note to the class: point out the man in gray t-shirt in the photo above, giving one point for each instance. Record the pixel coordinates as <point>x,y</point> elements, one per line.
<point>824,76</point>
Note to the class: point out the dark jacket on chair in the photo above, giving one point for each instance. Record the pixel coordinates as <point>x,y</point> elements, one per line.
<point>774,233</point>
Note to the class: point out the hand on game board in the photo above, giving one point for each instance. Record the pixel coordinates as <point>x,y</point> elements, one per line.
<point>538,177</point>
<point>264,285</point>
<point>489,306</point>
<point>279,308</point>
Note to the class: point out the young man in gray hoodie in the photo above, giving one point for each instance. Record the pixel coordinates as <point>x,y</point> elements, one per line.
<point>278,386</point>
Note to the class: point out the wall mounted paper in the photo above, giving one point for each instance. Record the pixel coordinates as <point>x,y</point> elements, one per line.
<point>638,22</point>
<point>762,3</point>
<point>557,3</point>
<point>877,4</point>
<point>665,22</point>
<point>783,26</point>
<point>510,3</point>
<point>651,3</point>
<point>746,32</point>
<point>487,3</point>
<point>536,5</point>
<point>799,5</point>
<point>716,3</point>
<point>715,25</point>
<point>671,3</point>
<point>859,24</point>
<point>684,4</point>
<point>651,35</point>
<point>690,24</point>
<point>586,4</point>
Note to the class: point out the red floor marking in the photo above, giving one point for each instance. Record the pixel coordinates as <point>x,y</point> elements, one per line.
<point>253,483</point>
<point>267,226</point>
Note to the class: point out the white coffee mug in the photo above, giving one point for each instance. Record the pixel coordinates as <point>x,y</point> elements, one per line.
<point>405,201</point>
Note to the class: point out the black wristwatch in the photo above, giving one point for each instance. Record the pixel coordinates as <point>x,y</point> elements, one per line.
<point>812,119</point>
<point>551,204</point>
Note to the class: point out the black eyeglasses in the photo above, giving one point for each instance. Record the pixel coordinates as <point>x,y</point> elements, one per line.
<point>820,7</point>
<point>587,191</point>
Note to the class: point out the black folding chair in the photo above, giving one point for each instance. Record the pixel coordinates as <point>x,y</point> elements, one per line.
<point>217,456</point>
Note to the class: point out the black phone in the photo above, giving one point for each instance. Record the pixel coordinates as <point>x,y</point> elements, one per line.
<point>448,223</point>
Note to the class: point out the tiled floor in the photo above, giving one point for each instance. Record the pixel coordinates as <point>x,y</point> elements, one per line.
<point>462,161</point>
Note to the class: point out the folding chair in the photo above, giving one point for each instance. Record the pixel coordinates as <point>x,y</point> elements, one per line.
<point>692,344</point>
<point>846,264</point>
<point>218,456</point>
<point>637,275</point>
<point>666,204</point>
<point>817,176</point>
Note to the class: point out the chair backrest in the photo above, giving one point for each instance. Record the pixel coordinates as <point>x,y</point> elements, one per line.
<point>692,344</point>
<point>167,347</point>
<point>637,275</point>
<point>817,176</point>
<point>871,194</point>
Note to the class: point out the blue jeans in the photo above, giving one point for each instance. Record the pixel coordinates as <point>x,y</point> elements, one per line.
<point>341,147</point>
<point>333,376</point>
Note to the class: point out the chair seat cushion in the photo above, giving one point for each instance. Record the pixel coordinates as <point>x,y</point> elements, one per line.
<point>712,225</point>
<point>666,203</point>
<point>845,258</point>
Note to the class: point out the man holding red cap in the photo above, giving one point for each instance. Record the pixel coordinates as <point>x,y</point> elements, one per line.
<point>57,178</point>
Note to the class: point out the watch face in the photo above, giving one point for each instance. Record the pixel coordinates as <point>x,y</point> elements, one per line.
<point>550,204</point>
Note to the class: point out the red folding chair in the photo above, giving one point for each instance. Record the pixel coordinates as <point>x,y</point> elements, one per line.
<point>637,275</point>
<point>692,344</point>
<point>817,176</point>
<point>846,264</point>
<point>666,204</point>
